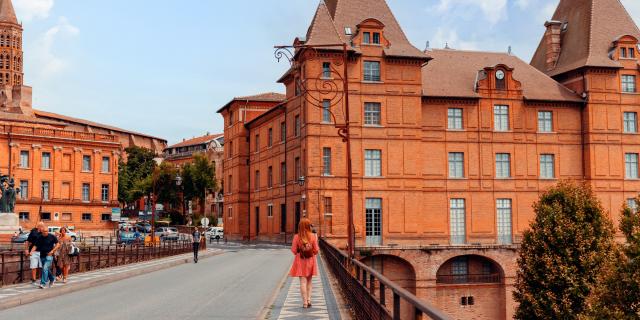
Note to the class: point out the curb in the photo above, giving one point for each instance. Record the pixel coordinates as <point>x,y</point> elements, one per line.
<point>271,301</point>
<point>13,302</point>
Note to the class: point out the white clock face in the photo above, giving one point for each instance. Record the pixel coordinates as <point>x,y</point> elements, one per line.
<point>500,74</point>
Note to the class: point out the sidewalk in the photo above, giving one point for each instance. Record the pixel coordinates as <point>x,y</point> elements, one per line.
<point>16,295</point>
<point>288,304</point>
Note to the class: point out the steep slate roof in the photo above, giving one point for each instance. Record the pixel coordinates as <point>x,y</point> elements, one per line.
<point>592,27</point>
<point>262,97</point>
<point>452,73</point>
<point>196,141</point>
<point>333,16</point>
<point>7,14</point>
<point>61,118</point>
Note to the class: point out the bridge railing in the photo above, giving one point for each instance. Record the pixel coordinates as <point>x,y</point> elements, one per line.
<point>367,290</point>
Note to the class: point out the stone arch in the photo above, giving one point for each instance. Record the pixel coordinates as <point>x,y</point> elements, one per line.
<point>398,270</point>
<point>479,269</point>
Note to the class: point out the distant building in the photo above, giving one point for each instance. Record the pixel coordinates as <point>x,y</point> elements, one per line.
<point>66,168</point>
<point>450,148</point>
<point>211,146</point>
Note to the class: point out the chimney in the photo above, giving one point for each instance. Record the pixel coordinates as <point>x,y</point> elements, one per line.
<point>554,43</point>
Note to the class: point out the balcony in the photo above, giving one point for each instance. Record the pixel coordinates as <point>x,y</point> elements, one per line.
<point>468,278</point>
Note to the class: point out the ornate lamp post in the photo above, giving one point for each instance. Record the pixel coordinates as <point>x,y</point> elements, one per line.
<point>326,85</point>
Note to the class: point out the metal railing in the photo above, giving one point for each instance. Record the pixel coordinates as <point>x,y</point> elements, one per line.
<point>14,265</point>
<point>366,290</point>
<point>467,278</point>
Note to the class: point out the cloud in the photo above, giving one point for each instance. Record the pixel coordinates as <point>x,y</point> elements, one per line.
<point>28,10</point>
<point>45,59</point>
<point>633,6</point>
<point>493,10</point>
<point>448,36</point>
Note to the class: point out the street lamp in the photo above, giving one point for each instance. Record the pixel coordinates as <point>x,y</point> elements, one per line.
<point>178,180</point>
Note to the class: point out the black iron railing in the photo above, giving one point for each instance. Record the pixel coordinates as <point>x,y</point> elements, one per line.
<point>467,278</point>
<point>367,290</point>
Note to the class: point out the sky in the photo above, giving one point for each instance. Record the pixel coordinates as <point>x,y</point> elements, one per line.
<point>164,67</point>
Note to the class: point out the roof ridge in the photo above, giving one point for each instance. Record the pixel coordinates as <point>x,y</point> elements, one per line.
<point>333,22</point>
<point>473,51</point>
<point>629,15</point>
<point>590,46</point>
<point>259,94</point>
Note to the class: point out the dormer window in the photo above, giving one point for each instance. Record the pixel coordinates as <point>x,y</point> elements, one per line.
<point>366,38</point>
<point>632,53</point>
<point>376,38</point>
<point>347,31</point>
<point>623,52</point>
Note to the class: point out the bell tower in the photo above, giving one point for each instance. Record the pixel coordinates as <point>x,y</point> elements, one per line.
<point>14,96</point>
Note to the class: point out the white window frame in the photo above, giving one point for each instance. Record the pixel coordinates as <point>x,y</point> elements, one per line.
<point>545,121</point>
<point>372,71</point>
<point>326,161</point>
<point>457,221</point>
<point>373,163</point>
<point>503,165</point>
<point>631,165</point>
<point>456,165</point>
<point>504,212</point>
<point>455,119</point>
<point>372,113</point>
<point>501,118</point>
<point>630,122</point>
<point>547,166</point>
<point>628,83</point>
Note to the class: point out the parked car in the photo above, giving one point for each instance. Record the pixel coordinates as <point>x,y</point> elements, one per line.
<point>167,233</point>
<point>72,234</point>
<point>129,235</point>
<point>20,238</point>
<point>214,233</point>
<point>143,227</point>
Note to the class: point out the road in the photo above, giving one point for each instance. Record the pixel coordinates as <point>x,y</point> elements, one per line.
<point>234,285</point>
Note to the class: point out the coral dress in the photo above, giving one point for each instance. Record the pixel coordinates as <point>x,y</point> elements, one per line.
<point>304,267</point>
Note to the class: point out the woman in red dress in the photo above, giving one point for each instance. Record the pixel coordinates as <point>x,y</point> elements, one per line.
<point>305,248</point>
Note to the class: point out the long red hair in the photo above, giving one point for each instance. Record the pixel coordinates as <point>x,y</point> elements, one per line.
<point>304,230</point>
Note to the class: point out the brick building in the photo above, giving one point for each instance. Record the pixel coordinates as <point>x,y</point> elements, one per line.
<point>211,146</point>
<point>66,168</point>
<point>450,148</point>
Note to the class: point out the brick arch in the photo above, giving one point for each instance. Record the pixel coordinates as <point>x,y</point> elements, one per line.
<point>496,263</point>
<point>398,270</point>
<point>443,258</point>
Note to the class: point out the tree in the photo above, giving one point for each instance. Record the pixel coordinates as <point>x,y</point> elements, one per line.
<point>563,254</point>
<point>618,296</point>
<point>199,179</point>
<point>133,174</point>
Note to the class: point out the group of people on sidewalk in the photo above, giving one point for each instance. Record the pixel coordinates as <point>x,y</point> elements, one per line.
<point>47,252</point>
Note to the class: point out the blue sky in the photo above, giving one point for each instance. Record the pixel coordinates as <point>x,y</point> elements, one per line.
<point>164,67</point>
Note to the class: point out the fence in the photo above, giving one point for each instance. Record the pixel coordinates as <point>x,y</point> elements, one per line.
<point>14,265</point>
<point>367,290</point>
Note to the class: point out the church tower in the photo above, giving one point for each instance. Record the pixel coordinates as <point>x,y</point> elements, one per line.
<point>14,96</point>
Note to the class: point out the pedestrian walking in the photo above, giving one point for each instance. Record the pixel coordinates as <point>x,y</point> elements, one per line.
<point>46,244</point>
<point>34,257</point>
<point>64,253</point>
<point>197,237</point>
<point>305,248</point>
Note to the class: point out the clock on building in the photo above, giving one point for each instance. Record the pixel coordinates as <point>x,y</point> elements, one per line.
<point>500,75</point>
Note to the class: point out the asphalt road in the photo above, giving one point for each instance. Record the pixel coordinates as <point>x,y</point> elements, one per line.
<point>234,285</point>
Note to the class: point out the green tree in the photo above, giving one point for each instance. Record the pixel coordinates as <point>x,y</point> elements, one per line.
<point>563,254</point>
<point>133,174</point>
<point>199,178</point>
<point>618,296</point>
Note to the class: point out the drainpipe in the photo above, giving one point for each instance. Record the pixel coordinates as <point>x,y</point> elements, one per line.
<point>585,96</point>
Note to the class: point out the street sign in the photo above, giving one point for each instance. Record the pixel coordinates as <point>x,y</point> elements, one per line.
<point>204,222</point>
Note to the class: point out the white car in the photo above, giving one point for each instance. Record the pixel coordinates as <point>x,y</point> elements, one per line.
<point>214,233</point>
<point>73,235</point>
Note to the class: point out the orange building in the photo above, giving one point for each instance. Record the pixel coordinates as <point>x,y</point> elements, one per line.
<point>66,168</point>
<point>212,147</point>
<point>450,148</point>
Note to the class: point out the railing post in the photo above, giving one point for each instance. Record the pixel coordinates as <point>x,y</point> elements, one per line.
<point>89,259</point>
<point>419,315</point>
<point>396,306</point>
<point>137,253</point>
<point>100,257</point>
<point>116,256</point>
<point>108,256</point>
<point>21,275</point>
<point>383,294</point>
<point>372,284</point>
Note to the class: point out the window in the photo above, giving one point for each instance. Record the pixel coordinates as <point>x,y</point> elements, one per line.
<point>504,221</point>
<point>24,159</point>
<point>230,149</point>
<point>366,37</point>
<point>326,70</point>
<point>257,142</point>
<point>326,161</point>
<point>623,52</point>
<point>283,173</point>
<point>24,189</point>
<point>283,131</point>
<point>631,165</point>
<point>66,217</point>
<point>547,166</point>
<point>24,216</point>
<point>503,165</point>
<point>297,126</point>
<point>230,118</point>
<point>298,168</point>
<point>106,164</point>
<point>326,111</point>
<point>270,138</point>
<point>545,121</point>
<point>230,212</point>
<point>371,71</point>
<point>328,206</point>
<point>454,116</point>
<point>270,211</point>
<point>372,163</point>
<point>256,182</point>
<point>348,31</point>
<point>86,163</point>
<point>456,165</point>
<point>457,221</point>
<point>372,113</point>
<point>632,53</point>
<point>45,190</point>
<point>628,83</point>
<point>230,184</point>
<point>460,266</point>
<point>376,38</point>
<point>501,118</point>
<point>270,178</point>
<point>45,216</point>
<point>46,160</point>
<point>105,217</point>
<point>86,192</point>
<point>630,120</point>
<point>373,221</point>
<point>632,204</point>
<point>86,217</point>
<point>105,193</point>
